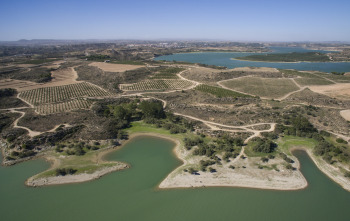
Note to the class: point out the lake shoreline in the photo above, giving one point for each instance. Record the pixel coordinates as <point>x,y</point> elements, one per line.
<point>326,169</point>
<point>85,177</point>
<point>295,182</point>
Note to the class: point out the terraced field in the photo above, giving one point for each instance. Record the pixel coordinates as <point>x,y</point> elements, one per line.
<point>219,92</point>
<point>151,85</point>
<point>64,106</point>
<point>262,87</point>
<point>61,93</point>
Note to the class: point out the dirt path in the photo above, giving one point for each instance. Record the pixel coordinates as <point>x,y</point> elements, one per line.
<point>31,133</point>
<point>293,92</point>
<point>195,83</point>
<point>210,124</point>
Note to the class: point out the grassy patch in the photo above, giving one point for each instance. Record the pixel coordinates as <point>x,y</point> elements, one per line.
<point>142,127</point>
<point>287,142</point>
<point>263,87</point>
<point>250,153</point>
<point>83,164</point>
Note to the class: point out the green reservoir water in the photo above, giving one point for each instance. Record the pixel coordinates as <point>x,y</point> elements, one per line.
<point>132,195</point>
<point>225,59</point>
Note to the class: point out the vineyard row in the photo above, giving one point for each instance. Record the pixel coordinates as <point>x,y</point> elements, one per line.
<point>156,85</point>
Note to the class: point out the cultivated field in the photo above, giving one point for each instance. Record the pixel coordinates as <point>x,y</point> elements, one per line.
<point>218,92</point>
<point>61,93</point>
<point>262,87</point>
<point>151,85</point>
<point>64,106</point>
<point>115,67</point>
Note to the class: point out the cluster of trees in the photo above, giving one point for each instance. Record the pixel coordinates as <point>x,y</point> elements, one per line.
<point>286,158</point>
<point>225,144</point>
<point>22,154</point>
<point>263,145</point>
<point>192,141</point>
<point>53,138</point>
<point>7,92</point>
<point>175,124</point>
<point>65,171</point>
<point>342,141</point>
<point>122,112</point>
<point>297,126</point>
<point>77,149</point>
<point>205,163</point>
<point>327,150</point>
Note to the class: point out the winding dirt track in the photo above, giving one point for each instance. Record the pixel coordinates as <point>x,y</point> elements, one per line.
<point>212,125</point>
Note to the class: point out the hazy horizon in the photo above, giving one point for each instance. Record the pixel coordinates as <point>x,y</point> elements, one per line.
<point>222,20</point>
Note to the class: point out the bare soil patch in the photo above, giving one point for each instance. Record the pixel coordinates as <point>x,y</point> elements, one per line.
<point>115,67</point>
<point>341,91</point>
<point>61,77</point>
<point>345,114</point>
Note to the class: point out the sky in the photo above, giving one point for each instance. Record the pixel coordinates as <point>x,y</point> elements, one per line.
<point>244,20</point>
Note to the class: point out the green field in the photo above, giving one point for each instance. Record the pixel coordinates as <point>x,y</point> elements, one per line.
<point>284,145</point>
<point>219,92</point>
<point>83,164</point>
<point>262,87</point>
<point>288,57</point>
<point>287,142</point>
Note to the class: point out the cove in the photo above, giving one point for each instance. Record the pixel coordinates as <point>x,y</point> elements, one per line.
<point>132,194</point>
<point>225,59</point>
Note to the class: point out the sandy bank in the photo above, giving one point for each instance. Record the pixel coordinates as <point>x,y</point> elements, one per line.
<point>339,90</point>
<point>345,114</point>
<point>246,174</point>
<point>83,177</point>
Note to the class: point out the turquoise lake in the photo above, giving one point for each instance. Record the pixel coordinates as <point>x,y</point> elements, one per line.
<point>132,194</point>
<point>225,59</point>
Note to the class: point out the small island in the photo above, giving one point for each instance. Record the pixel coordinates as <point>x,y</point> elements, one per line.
<point>288,57</point>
